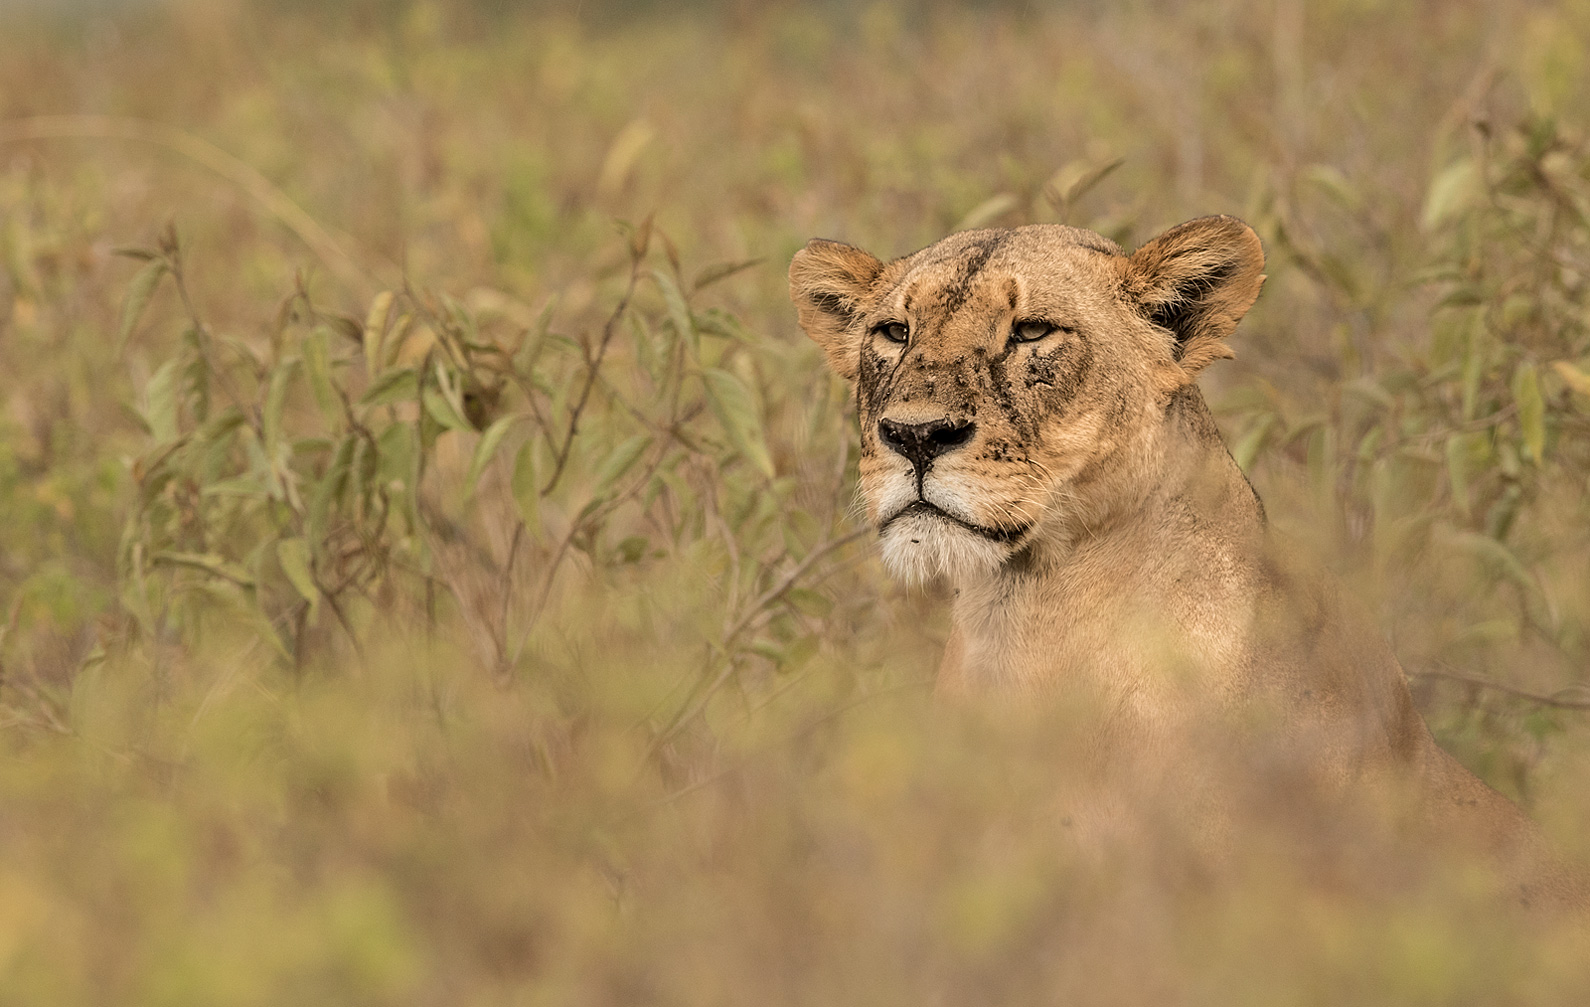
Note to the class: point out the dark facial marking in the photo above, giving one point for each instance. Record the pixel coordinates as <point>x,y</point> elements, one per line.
<point>871,377</point>
<point>999,388</point>
<point>955,293</point>
<point>884,386</point>
<point>1062,371</point>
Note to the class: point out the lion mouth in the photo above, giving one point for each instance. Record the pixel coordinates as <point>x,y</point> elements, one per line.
<point>919,506</point>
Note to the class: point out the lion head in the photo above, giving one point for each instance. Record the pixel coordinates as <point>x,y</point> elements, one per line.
<point>1014,385</point>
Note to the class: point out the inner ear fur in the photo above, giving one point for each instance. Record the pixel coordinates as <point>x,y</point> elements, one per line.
<point>827,282</point>
<point>1198,279</point>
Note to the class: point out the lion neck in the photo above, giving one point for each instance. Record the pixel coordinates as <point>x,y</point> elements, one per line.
<point>1153,569</point>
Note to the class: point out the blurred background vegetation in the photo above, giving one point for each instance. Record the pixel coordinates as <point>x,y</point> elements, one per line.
<point>427,564</point>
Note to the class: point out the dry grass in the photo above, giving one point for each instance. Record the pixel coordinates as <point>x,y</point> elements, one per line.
<point>638,719</point>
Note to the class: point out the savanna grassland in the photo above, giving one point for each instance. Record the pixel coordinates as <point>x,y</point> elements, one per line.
<point>428,567</point>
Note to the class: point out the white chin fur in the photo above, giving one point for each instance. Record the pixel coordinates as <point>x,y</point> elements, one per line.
<point>918,547</point>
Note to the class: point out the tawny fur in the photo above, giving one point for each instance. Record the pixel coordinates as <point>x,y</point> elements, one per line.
<point>1099,536</point>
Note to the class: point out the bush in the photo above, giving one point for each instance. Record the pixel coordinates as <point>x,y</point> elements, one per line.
<point>419,587</point>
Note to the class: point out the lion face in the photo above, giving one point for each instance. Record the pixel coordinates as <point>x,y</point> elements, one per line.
<point>1011,383</point>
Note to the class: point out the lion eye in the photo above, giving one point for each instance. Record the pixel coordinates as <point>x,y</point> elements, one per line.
<point>1031,330</point>
<point>894,332</point>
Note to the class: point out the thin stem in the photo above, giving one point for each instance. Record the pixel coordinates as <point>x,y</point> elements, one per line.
<point>789,580</point>
<point>593,364</point>
<point>700,698</point>
<point>563,548</point>
<point>172,250</point>
<point>1556,700</point>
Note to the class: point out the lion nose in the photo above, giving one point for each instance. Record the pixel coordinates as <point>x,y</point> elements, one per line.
<point>923,442</point>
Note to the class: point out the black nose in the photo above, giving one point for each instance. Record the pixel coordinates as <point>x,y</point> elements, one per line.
<point>923,442</point>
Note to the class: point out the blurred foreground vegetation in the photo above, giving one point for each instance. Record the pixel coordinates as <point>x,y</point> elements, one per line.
<point>426,560</point>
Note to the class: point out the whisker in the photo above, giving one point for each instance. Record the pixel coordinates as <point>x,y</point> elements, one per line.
<point>1042,469</point>
<point>856,510</point>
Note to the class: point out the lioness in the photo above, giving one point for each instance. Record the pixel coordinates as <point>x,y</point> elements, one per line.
<point>1031,429</point>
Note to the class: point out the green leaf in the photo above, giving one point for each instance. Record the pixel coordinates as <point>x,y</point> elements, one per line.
<point>619,462</point>
<point>632,549</point>
<point>786,655</point>
<point>1518,310</point>
<point>317,366</point>
<point>311,445</point>
<point>1465,459</point>
<point>244,612</point>
<point>1496,558</point>
<point>678,311</point>
<point>275,403</point>
<point>160,396</point>
<point>1572,376</point>
<point>449,384</point>
<point>238,486</point>
<point>399,469</point>
<point>196,375</point>
<point>1088,179</point>
<point>1372,392</point>
<point>736,411</point>
<point>359,470</point>
<point>138,294</point>
<point>1463,296</point>
<point>210,563</point>
<point>564,344</point>
<point>1369,445</point>
<point>1473,364</point>
<point>526,488</point>
<point>988,211</point>
<point>346,326</point>
<point>645,348</point>
<point>375,327</point>
<point>463,322</point>
<point>722,271</point>
<point>398,453</point>
<point>714,322</point>
<point>561,392</point>
<point>486,450</point>
<point>260,465</point>
<point>329,491</point>
<point>1457,472</point>
<point>1075,180</point>
<point>812,603</point>
<point>393,386</point>
<point>622,156</point>
<point>442,411</point>
<point>1452,191</point>
<point>534,340</point>
<point>293,555</point>
<point>1499,519</point>
<point>1531,410</point>
<point>1330,180</point>
<point>1248,447</point>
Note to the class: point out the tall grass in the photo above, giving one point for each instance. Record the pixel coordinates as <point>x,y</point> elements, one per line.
<point>425,540</point>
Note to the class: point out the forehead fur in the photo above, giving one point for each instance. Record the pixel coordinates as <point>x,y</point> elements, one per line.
<point>1178,296</point>
<point>1024,243</point>
<point>946,273</point>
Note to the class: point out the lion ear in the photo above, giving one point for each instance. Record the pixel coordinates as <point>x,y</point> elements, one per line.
<point>827,281</point>
<point>1198,279</point>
